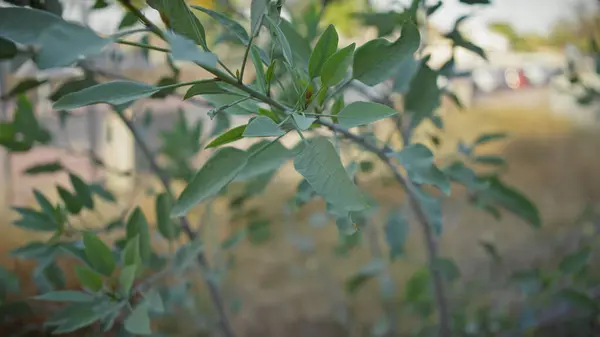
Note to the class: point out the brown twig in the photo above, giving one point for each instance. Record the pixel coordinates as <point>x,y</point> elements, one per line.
<point>215,295</point>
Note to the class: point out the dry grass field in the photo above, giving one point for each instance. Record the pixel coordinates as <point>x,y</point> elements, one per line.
<point>285,291</point>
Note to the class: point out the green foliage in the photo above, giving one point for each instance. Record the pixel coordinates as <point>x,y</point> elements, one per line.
<point>320,165</point>
<point>376,59</point>
<point>301,92</point>
<point>216,173</point>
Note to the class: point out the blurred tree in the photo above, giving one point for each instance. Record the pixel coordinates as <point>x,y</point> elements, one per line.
<point>339,13</point>
<point>519,42</point>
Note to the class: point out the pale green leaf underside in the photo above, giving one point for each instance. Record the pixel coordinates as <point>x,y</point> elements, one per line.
<point>361,113</point>
<point>321,166</point>
<point>115,93</point>
<point>59,43</point>
<point>267,160</point>
<point>418,161</point>
<point>214,175</point>
<point>262,126</point>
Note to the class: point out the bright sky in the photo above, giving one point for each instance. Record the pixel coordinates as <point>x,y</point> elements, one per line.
<point>525,15</point>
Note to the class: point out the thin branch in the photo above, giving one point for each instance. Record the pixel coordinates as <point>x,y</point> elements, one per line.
<point>430,242</point>
<point>149,24</point>
<point>241,77</point>
<point>142,45</point>
<point>406,184</point>
<point>215,295</point>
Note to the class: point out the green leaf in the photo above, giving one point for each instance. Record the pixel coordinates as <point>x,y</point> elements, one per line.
<point>512,200</point>
<point>396,233</point>
<point>299,45</point>
<point>73,204</point>
<point>424,96</point>
<point>407,70</point>
<point>216,173</point>
<point>138,322</point>
<point>490,160</point>
<point>233,240</point>
<point>267,160</point>
<point>184,49</point>
<point>126,278</point>
<point>491,250</point>
<point>82,190</point>
<point>228,137</point>
<point>78,319</point>
<point>49,167</point>
<point>34,220</point>
<point>418,161</point>
<point>320,165</point>
<point>283,42</point>
<point>203,88</point>
<point>98,254</point>
<point>261,77</point>
<point>89,278</point>
<point>575,262</point>
<point>59,43</point>
<point>221,124</point>
<point>262,126</point>
<point>65,296</point>
<point>102,192</point>
<point>32,250</point>
<point>459,41</point>
<point>432,209</point>
<point>325,47</point>
<point>303,122</point>
<point>72,86</point>
<point>367,272</point>
<point>8,49</point>
<point>165,224</point>
<point>25,122</point>
<point>361,113</point>
<point>130,256</point>
<point>9,283</point>
<point>231,25</point>
<point>476,2</point>
<point>579,300</point>
<point>24,86</point>
<point>115,93</point>
<point>257,12</point>
<point>181,19</point>
<point>186,255</point>
<point>377,60</point>
<point>129,19</point>
<point>458,172</point>
<point>137,226</point>
<point>335,68</point>
<point>489,137</point>
<point>448,269</point>
<point>45,204</point>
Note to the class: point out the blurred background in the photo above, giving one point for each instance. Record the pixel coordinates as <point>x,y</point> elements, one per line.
<point>288,273</point>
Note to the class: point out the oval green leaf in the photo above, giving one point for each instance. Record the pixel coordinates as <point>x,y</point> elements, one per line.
<point>361,113</point>
<point>320,165</point>
<point>115,93</point>
<point>98,254</point>
<point>325,47</point>
<point>262,126</point>
<point>337,65</point>
<point>165,224</point>
<point>228,137</point>
<point>216,173</point>
<point>377,60</point>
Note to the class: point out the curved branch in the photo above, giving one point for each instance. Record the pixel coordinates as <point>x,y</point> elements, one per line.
<point>215,295</point>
